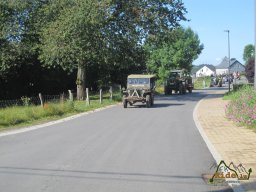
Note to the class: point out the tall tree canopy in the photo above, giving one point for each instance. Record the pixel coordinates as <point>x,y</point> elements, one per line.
<point>176,50</point>
<point>101,40</point>
<point>88,33</point>
<point>249,52</point>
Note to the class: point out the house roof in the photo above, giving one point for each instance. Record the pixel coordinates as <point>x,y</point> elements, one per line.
<point>225,64</point>
<point>197,68</point>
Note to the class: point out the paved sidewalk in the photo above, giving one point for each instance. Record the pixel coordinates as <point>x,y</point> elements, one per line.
<point>233,143</point>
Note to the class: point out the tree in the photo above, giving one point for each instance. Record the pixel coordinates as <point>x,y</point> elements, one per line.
<point>21,72</point>
<point>84,34</point>
<point>74,40</point>
<point>249,70</point>
<point>178,49</point>
<point>249,52</point>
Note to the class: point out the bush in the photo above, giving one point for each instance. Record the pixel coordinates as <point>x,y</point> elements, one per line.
<point>249,70</point>
<point>242,107</point>
<point>198,84</point>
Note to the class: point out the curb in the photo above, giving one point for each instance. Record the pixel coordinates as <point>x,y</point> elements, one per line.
<point>35,127</point>
<point>217,157</point>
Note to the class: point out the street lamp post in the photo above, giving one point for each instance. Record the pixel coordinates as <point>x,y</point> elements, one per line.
<point>228,61</point>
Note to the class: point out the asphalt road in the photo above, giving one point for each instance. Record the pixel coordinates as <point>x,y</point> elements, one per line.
<point>115,150</point>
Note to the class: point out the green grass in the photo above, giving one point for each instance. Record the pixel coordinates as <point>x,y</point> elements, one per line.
<point>18,116</point>
<point>231,95</point>
<point>198,84</point>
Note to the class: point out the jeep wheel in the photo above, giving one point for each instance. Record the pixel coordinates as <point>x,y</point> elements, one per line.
<point>124,102</point>
<point>148,101</point>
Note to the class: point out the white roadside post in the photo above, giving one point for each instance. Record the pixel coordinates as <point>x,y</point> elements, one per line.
<point>41,100</point>
<point>111,93</point>
<point>71,98</point>
<point>87,96</point>
<point>100,96</point>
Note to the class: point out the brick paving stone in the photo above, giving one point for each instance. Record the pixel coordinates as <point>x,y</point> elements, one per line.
<point>234,143</point>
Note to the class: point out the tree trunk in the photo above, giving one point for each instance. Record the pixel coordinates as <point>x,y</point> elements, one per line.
<point>80,82</point>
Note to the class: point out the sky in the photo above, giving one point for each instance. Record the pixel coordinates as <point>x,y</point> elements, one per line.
<point>210,18</point>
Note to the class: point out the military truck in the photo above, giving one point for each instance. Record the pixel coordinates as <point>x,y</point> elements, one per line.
<point>140,88</point>
<point>178,81</point>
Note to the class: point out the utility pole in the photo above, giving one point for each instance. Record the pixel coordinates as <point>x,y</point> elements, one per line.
<point>228,61</point>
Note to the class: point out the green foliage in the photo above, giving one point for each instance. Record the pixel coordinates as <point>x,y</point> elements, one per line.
<point>242,107</point>
<point>199,82</point>
<point>74,36</point>
<point>159,89</point>
<point>104,37</point>
<point>25,100</point>
<point>249,52</point>
<point>176,50</point>
<point>250,70</point>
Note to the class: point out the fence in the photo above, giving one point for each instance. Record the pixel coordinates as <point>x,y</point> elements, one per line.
<point>25,101</point>
<point>41,99</point>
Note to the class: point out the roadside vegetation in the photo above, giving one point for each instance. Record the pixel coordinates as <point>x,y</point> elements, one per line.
<point>29,115</point>
<point>242,106</point>
<point>199,82</point>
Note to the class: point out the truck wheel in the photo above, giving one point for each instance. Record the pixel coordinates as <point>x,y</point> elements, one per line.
<point>124,102</point>
<point>148,101</point>
<point>180,89</point>
<point>152,101</point>
<point>167,90</point>
<point>183,90</point>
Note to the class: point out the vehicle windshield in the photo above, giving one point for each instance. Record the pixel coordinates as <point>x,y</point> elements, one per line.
<point>138,81</point>
<point>175,74</point>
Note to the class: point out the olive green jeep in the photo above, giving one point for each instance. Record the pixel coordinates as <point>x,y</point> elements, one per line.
<point>140,88</point>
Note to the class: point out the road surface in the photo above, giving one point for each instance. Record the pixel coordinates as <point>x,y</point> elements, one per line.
<point>136,149</point>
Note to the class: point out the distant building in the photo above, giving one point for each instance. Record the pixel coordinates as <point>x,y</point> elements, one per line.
<point>203,70</point>
<point>235,66</point>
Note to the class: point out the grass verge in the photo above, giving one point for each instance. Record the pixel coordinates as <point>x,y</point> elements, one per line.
<point>20,116</point>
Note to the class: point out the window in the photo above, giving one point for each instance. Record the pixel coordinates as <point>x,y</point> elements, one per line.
<point>138,81</point>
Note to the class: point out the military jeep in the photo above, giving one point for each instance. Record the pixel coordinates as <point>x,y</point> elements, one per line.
<point>178,81</point>
<point>140,88</point>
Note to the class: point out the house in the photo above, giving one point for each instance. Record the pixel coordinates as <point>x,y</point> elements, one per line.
<point>235,66</point>
<point>203,70</point>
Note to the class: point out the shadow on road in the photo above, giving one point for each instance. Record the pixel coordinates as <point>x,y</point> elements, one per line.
<point>196,95</point>
<point>156,105</point>
<point>100,175</point>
